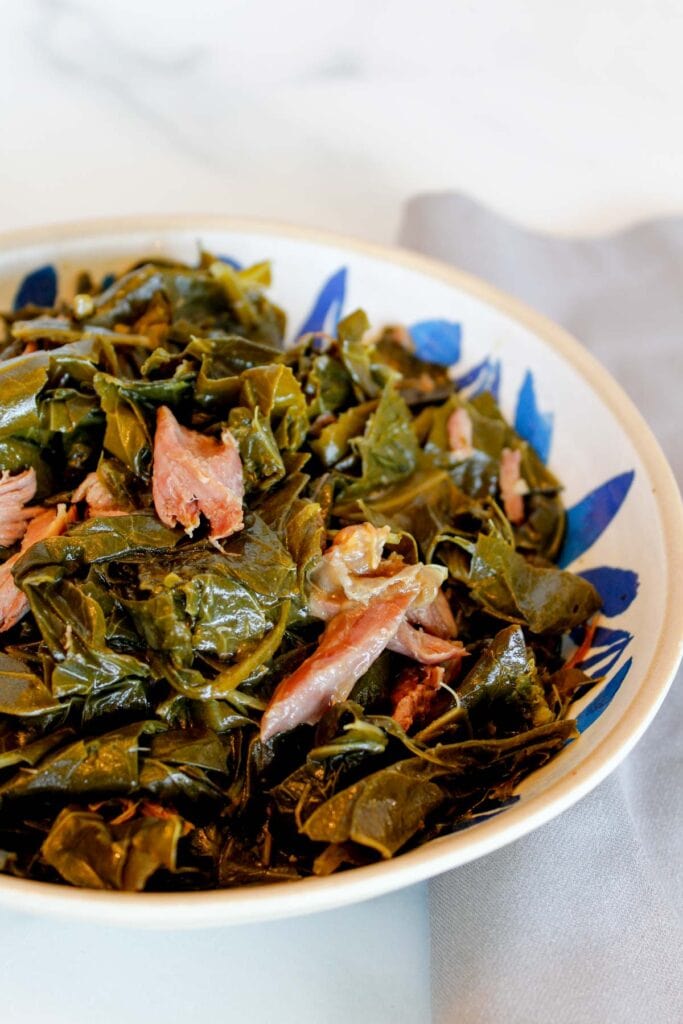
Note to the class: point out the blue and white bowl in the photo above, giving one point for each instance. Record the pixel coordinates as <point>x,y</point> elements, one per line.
<point>625,522</point>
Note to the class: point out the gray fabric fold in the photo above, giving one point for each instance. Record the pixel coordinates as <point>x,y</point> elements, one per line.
<point>582,921</point>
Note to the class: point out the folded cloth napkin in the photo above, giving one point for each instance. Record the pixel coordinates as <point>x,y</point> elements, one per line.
<point>581,921</point>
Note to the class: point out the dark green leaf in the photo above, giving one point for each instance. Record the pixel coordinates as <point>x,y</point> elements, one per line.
<point>335,439</point>
<point>106,764</point>
<point>388,448</point>
<point>125,701</point>
<point>32,753</point>
<point>126,435</point>
<point>259,560</point>
<point>21,381</point>
<point>383,810</point>
<point>330,382</point>
<point>276,393</point>
<point>504,677</point>
<point>98,540</point>
<point>198,747</point>
<point>259,451</point>
<point>87,851</point>
<point>305,539</point>
<point>372,689</point>
<point>244,291</point>
<point>544,599</point>
<point>21,692</point>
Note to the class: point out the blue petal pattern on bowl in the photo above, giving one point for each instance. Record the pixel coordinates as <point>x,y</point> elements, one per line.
<point>437,341</point>
<point>38,288</point>
<point>484,376</point>
<point>235,264</point>
<point>608,653</point>
<point>617,587</point>
<point>596,707</point>
<point>534,426</point>
<point>591,516</point>
<point>326,310</point>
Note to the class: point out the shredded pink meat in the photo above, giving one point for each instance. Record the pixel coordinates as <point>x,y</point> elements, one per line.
<point>194,474</point>
<point>512,486</point>
<point>459,428</point>
<point>369,603</point>
<point>423,647</point>
<point>355,552</point>
<point>352,641</point>
<point>414,694</point>
<point>352,571</point>
<point>436,618</point>
<point>13,602</point>
<point>15,493</point>
<point>98,497</point>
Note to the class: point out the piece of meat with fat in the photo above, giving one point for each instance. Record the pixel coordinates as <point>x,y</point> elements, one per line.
<point>15,493</point>
<point>422,580</point>
<point>13,602</point>
<point>512,485</point>
<point>424,647</point>
<point>352,641</point>
<point>414,694</point>
<point>352,571</point>
<point>418,644</point>
<point>194,474</point>
<point>436,618</point>
<point>355,551</point>
<point>98,497</point>
<point>459,429</point>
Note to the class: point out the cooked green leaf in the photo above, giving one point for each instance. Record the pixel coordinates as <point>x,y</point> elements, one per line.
<point>106,764</point>
<point>383,810</point>
<point>509,587</point>
<point>335,439</point>
<point>388,448</point>
<point>22,692</point>
<point>133,689</point>
<point>126,435</point>
<point>87,851</point>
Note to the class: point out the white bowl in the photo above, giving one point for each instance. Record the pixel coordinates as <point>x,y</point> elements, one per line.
<point>633,522</point>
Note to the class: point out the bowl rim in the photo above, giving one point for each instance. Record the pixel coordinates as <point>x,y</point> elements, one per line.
<point>218,907</point>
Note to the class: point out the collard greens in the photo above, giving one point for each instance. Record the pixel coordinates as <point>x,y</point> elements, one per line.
<point>132,687</point>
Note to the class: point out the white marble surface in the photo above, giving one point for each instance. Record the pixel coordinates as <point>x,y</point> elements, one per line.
<point>566,117</point>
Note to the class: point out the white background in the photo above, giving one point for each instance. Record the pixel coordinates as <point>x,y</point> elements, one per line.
<point>564,115</point>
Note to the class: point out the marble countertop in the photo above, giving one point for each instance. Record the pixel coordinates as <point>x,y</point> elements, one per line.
<point>565,117</point>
